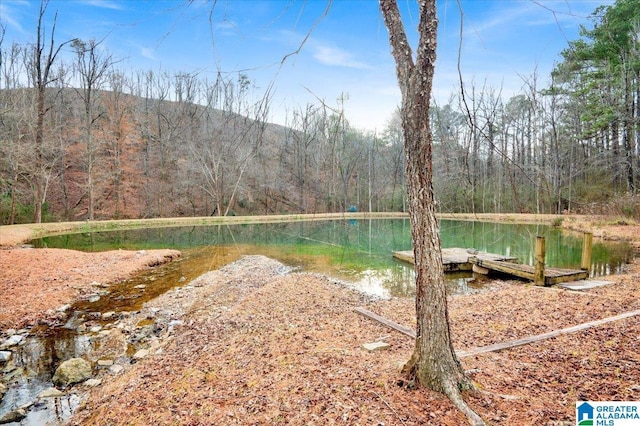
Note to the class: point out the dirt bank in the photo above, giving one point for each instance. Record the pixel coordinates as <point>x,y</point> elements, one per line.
<point>35,282</point>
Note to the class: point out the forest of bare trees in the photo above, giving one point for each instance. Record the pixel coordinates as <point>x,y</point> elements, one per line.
<point>80,138</point>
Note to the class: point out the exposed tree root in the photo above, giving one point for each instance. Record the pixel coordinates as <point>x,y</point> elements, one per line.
<point>450,388</point>
<point>453,393</point>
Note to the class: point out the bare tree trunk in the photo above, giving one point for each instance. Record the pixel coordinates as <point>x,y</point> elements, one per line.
<point>433,363</point>
<point>41,60</point>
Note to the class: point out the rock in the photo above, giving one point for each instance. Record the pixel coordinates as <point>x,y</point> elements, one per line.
<point>116,369</point>
<point>140,286</point>
<point>64,308</point>
<point>5,356</point>
<point>13,416</point>
<point>95,328</point>
<point>92,383</point>
<point>140,354</point>
<point>3,390</point>
<point>10,371</point>
<point>74,370</point>
<point>108,315</point>
<point>375,346</point>
<point>11,332</point>
<point>50,393</point>
<point>14,340</point>
<point>105,362</point>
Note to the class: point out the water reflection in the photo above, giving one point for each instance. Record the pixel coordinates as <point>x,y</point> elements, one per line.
<point>31,369</point>
<point>359,251</point>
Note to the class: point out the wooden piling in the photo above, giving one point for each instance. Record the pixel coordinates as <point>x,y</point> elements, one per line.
<point>587,244</point>
<point>539,261</point>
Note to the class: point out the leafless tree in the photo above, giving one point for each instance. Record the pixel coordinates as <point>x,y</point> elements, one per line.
<point>433,363</point>
<point>40,61</point>
<point>92,66</point>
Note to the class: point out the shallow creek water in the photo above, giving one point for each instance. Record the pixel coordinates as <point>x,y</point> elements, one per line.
<point>84,326</point>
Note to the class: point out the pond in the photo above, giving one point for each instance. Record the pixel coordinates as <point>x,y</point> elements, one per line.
<point>356,251</point>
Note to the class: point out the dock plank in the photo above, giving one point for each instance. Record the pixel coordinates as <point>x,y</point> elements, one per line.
<point>551,275</point>
<point>456,259</point>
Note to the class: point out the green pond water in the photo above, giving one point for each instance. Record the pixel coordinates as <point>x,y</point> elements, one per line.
<point>356,251</point>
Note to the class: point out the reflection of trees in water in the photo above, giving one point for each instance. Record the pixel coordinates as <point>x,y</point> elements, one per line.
<point>356,244</point>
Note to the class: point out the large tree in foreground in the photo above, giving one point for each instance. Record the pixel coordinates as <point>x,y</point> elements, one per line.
<point>433,363</point>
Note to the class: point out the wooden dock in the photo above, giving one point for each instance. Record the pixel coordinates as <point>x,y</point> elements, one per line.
<point>457,259</point>
<point>552,276</point>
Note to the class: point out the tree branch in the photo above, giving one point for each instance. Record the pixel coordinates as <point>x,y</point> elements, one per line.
<point>400,48</point>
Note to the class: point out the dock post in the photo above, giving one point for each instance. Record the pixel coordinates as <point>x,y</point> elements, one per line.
<point>587,243</point>
<point>539,261</point>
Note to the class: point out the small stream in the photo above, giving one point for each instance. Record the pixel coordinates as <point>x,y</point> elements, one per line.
<point>355,254</point>
<point>80,330</point>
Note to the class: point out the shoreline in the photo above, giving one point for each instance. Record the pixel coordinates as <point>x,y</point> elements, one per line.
<point>14,235</point>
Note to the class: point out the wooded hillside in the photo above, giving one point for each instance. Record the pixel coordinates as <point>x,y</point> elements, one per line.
<point>86,140</point>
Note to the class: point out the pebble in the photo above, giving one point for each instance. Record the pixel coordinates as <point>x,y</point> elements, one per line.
<point>11,371</point>
<point>14,340</point>
<point>116,369</point>
<point>50,393</point>
<point>13,416</point>
<point>92,383</point>
<point>95,328</point>
<point>108,315</point>
<point>64,308</point>
<point>140,354</point>
<point>105,362</point>
<point>375,346</point>
<point>173,323</point>
<point>5,356</point>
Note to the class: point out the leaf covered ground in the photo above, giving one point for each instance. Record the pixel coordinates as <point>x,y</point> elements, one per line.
<point>260,345</point>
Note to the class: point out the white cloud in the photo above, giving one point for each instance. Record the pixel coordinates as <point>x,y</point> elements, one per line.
<point>148,52</point>
<point>104,4</point>
<point>333,56</point>
<point>7,18</point>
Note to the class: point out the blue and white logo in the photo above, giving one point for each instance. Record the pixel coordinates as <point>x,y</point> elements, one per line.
<point>607,413</point>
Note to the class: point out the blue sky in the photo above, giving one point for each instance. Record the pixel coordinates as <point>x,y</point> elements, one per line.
<point>343,50</point>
